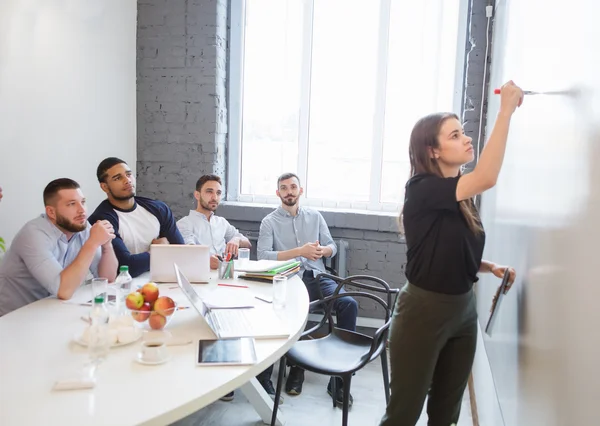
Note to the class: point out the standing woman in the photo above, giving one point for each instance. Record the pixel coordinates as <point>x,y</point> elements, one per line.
<point>434,330</point>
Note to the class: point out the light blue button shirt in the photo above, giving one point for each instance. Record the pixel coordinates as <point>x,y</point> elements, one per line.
<point>215,233</point>
<point>280,231</point>
<point>31,268</point>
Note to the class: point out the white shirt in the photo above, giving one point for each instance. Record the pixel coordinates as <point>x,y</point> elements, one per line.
<point>137,229</point>
<point>215,233</point>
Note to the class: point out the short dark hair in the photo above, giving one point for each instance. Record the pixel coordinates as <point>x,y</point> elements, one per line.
<point>51,190</point>
<point>287,176</point>
<point>105,165</point>
<point>207,178</point>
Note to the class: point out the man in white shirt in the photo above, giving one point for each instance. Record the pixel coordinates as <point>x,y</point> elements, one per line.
<point>203,227</point>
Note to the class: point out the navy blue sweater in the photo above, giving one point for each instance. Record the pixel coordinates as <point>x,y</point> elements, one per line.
<point>138,263</point>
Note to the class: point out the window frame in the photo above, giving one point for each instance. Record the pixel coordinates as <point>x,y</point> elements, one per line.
<point>235,72</point>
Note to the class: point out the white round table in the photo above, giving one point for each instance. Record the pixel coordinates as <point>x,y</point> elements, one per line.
<point>37,349</point>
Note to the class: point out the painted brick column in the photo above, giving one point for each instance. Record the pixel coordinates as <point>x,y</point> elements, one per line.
<point>181,97</point>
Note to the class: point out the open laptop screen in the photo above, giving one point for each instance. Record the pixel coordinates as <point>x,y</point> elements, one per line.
<point>190,293</point>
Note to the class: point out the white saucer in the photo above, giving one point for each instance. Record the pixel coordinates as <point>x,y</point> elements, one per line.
<point>139,360</point>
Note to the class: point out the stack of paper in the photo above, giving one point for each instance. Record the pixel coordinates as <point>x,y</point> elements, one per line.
<point>266,270</point>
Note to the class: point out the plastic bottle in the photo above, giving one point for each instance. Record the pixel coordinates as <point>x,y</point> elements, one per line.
<point>99,339</point>
<point>123,287</point>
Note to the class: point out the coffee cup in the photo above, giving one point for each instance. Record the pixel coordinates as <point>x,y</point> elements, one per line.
<point>153,351</point>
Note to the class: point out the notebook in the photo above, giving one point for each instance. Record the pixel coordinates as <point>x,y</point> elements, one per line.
<point>263,265</point>
<point>287,268</point>
<point>496,303</point>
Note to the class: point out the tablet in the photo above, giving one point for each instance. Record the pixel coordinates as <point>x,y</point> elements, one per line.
<point>239,351</point>
<point>496,302</point>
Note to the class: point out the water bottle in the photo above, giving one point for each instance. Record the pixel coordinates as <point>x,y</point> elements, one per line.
<point>123,287</point>
<point>99,338</point>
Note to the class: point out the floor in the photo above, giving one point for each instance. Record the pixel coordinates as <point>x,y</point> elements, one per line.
<point>314,406</point>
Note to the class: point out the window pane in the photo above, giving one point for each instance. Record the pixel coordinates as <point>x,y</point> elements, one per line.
<point>420,80</point>
<point>342,99</point>
<point>271,93</point>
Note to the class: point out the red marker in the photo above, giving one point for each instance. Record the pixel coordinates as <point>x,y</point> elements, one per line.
<point>530,92</point>
<point>232,285</point>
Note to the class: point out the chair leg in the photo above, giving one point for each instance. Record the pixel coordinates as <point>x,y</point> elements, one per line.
<point>386,375</point>
<point>346,405</point>
<point>333,381</point>
<point>278,390</point>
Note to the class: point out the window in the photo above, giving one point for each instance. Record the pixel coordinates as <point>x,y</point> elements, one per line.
<point>330,90</point>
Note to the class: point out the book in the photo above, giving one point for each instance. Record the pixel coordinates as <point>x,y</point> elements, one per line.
<point>265,266</point>
<point>268,277</point>
<point>238,351</point>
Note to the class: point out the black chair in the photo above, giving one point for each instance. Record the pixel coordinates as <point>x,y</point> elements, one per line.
<point>340,353</point>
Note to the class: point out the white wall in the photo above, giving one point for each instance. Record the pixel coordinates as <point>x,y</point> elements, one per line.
<point>542,218</point>
<point>67,97</point>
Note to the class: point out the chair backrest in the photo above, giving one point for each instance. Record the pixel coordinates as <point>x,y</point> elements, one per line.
<point>373,285</point>
<point>362,282</point>
<point>369,283</point>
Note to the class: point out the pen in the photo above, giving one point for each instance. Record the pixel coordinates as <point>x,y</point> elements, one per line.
<point>233,285</point>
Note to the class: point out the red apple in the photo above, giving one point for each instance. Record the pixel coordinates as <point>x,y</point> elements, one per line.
<point>164,305</point>
<point>150,292</point>
<point>134,301</point>
<point>157,321</point>
<point>142,314</point>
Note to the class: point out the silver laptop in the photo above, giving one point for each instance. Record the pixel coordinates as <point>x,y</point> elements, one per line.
<point>260,323</point>
<point>194,260</point>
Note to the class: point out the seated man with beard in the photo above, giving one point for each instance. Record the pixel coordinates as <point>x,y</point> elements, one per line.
<point>203,227</point>
<point>138,221</point>
<point>301,233</point>
<point>53,254</point>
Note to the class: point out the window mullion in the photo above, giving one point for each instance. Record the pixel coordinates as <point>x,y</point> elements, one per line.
<point>305,84</point>
<point>380,100</point>
<point>236,74</point>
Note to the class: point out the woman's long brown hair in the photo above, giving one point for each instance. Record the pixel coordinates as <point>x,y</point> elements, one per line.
<point>424,138</point>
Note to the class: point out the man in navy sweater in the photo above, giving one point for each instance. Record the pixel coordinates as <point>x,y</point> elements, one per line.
<point>138,222</point>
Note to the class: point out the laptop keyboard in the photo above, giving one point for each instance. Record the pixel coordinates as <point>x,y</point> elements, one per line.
<point>232,320</point>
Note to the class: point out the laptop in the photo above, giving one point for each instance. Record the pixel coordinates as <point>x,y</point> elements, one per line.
<point>496,304</point>
<point>260,323</point>
<point>193,259</point>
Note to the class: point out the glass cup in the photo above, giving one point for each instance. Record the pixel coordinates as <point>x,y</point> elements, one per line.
<point>279,291</point>
<point>226,270</point>
<point>243,255</point>
<point>99,288</point>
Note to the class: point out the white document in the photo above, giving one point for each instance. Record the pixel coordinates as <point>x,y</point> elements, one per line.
<point>227,298</point>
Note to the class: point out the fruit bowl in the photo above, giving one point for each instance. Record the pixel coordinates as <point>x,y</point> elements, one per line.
<point>153,319</point>
<point>149,309</point>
